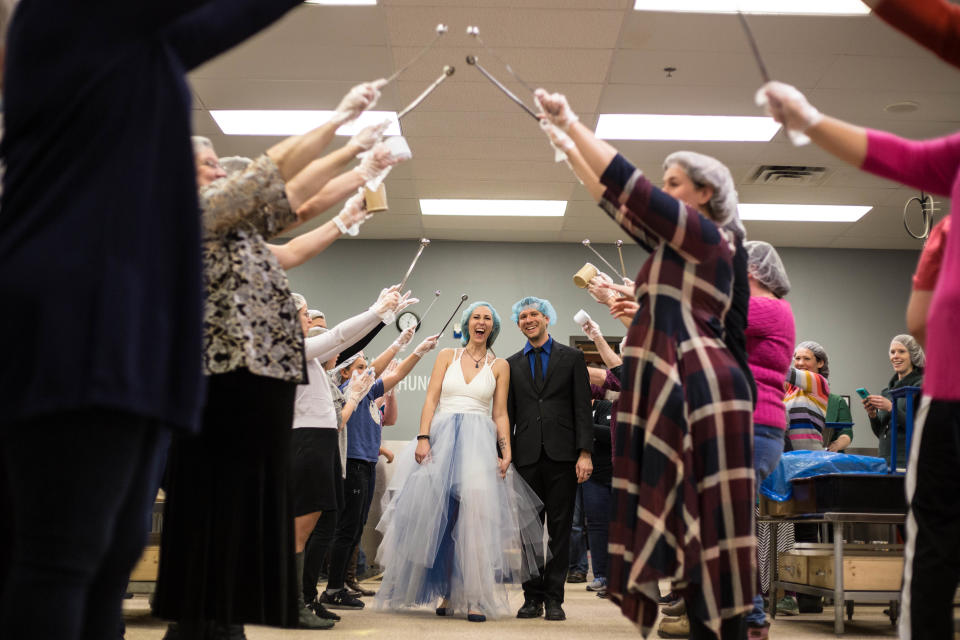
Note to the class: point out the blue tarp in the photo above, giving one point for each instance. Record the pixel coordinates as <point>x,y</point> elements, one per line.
<point>804,464</point>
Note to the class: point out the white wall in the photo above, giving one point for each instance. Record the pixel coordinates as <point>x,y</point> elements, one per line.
<point>850,301</point>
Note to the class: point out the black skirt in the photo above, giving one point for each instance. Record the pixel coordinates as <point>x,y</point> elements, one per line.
<point>317,474</point>
<point>227,551</point>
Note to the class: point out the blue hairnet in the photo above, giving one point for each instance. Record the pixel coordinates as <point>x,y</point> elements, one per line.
<point>541,305</point>
<point>465,320</point>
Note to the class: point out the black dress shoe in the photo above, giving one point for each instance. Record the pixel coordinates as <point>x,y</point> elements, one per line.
<point>555,611</point>
<point>530,609</point>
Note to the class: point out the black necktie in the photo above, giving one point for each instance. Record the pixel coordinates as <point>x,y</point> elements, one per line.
<point>537,368</point>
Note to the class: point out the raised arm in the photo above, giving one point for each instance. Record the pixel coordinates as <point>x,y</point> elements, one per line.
<point>298,155</point>
<point>927,165</point>
<point>328,344</point>
<point>501,371</point>
<point>390,380</point>
<point>219,25</point>
<point>308,245</point>
<point>808,382</point>
<point>934,24</point>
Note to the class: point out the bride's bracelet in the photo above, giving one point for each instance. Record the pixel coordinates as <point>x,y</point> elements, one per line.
<point>423,437</point>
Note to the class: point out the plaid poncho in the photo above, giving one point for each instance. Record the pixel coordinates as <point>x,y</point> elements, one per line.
<point>683,486</point>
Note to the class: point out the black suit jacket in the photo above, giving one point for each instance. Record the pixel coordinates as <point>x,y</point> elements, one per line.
<point>556,419</point>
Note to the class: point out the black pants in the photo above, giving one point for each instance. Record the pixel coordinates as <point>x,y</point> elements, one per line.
<point>730,629</point>
<point>555,483</point>
<point>318,546</point>
<point>356,488</point>
<point>81,487</point>
<point>932,556</point>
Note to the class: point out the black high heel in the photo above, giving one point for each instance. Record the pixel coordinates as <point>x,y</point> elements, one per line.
<point>476,617</point>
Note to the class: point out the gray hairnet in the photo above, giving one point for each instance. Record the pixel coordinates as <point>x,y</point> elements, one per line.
<point>917,358</point>
<point>299,301</point>
<point>819,353</point>
<point>235,164</point>
<point>200,143</point>
<point>764,264</point>
<point>704,171</point>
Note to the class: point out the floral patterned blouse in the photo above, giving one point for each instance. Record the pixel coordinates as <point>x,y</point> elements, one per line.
<point>249,319</point>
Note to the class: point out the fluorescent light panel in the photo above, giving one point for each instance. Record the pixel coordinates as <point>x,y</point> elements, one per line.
<point>512,208</point>
<point>798,7</point>
<point>648,126</point>
<point>803,212</point>
<point>263,122</point>
<point>349,3</point>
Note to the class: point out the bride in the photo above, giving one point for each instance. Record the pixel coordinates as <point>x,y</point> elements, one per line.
<point>461,524</point>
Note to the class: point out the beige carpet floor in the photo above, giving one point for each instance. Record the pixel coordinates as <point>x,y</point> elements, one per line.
<point>588,617</point>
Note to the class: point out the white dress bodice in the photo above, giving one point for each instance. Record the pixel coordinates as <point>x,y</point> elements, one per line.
<point>456,396</point>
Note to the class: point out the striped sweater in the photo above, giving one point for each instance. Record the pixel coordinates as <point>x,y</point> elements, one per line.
<point>806,399</point>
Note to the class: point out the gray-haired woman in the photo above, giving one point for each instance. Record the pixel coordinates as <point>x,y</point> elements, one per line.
<point>228,542</point>
<point>907,359</point>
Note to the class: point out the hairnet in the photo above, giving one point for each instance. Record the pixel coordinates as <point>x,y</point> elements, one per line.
<point>541,305</point>
<point>299,301</point>
<point>235,164</point>
<point>346,364</point>
<point>764,264</point>
<point>819,353</point>
<point>917,358</point>
<point>708,171</point>
<point>200,143</point>
<point>465,321</point>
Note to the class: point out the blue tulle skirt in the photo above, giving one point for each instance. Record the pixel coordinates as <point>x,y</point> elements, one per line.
<point>453,528</point>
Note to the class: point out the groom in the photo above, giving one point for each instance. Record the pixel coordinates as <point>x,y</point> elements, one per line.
<point>551,439</point>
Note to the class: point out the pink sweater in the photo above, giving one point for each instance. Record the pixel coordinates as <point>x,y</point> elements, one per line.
<point>932,166</point>
<point>770,337</point>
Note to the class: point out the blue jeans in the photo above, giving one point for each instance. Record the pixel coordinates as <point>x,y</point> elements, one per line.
<point>578,541</point>
<point>596,506</point>
<point>767,449</point>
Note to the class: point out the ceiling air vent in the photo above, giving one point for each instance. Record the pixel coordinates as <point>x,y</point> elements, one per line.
<point>787,175</point>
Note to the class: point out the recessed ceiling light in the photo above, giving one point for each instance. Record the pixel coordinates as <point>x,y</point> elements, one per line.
<point>252,122</point>
<point>648,126</point>
<point>904,106</point>
<point>341,2</point>
<point>812,7</point>
<point>515,208</point>
<point>803,212</point>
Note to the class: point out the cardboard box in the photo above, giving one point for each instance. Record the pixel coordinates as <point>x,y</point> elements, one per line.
<point>147,566</point>
<point>880,572</point>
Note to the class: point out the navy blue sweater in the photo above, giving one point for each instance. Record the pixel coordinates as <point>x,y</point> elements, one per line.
<point>100,269</point>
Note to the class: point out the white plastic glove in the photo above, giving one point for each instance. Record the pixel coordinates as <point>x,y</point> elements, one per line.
<point>426,346</point>
<point>560,141</point>
<point>386,304</point>
<point>598,293</point>
<point>592,330</point>
<point>358,99</point>
<point>406,301</point>
<point>369,136</point>
<point>376,163</point>
<point>353,214</point>
<point>785,104</point>
<point>403,340</point>
<point>556,109</point>
<point>360,384</point>
<point>390,368</point>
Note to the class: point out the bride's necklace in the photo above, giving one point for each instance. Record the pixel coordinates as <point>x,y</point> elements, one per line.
<point>476,361</point>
